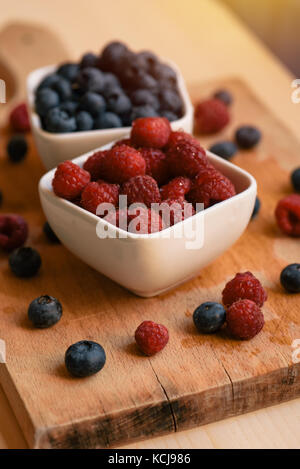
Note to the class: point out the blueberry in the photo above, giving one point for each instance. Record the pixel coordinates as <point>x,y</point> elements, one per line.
<point>93,103</point>
<point>295,178</point>
<point>171,116</point>
<point>84,121</point>
<point>110,81</point>
<point>91,79</point>
<point>225,149</point>
<point>247,136</point>
<point>69,71</point>
<point>112,56</point>
<point>48,81</point>
<point>143,111</point>
<point>45,100</point>
<point>170,100</point>
<point>25,262</point>
<point>147,60</point>
<point>88,60</point>
<point>58,121</point>
<point>69,106</point>
<point>118,103</point>
<point>50,233</point>
<point>290,278</point>
<point>165,74</point>
<point>225,96</point>
<point>141,97</point>
<point>85,358</point>
<point>256,208</point>
<point>144,80</point>
<point>17,148</point>
<point>107,120</point>
<point>209,317</point>
<point>63,88</point>
<point>44,311</point>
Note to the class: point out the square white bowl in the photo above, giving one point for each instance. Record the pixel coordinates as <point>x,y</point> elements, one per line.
<point>151,264</point>
<point>54,148</point>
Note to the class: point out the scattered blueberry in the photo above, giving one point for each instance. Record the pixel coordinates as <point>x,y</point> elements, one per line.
<point>88,60</point>
<point>17,148</point>
<point>91,79</point>
<point>290,278</point>
<point>107,120</point>
<point>84,121</point>
<point>69,71</point>
<point>25,262</point>
<point>225,96</point>
<point>143,111</point>
<point>256,208</point>
<point>225,149</point>
<point>247,136</point>
<point>58,121</point>
<point>85,358</point>
<point>295,178</point>
<point>209,317</point>
<point>50,233</point>
<point>44,311</point>
<point>93,103</point>
<point>141,97</point>
<point>45,100</point>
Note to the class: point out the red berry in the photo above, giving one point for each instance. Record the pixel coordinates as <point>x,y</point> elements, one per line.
<point>94,164</point>
<point>177,188</point>
<point>139,220</point>
<point>180,136</point>
<point>244,319</point>
<point>69,180</point>
<point>244,286</point>
<point>186,158</point>
<point>287,214</point>
<point>122,163</point>
<point>124,141</point>
<point>156,164</point>
<point>151,337</point>
<point>96,193</point>
<point>19,118</point>
<point>150,132</point>
<point>174,211</point>
<point>211,116</point>
<point>13,232</point>
<point>142,189</point>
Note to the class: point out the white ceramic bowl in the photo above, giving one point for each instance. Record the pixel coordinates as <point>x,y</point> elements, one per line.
<point>151,264</point>
<point>55,148</point>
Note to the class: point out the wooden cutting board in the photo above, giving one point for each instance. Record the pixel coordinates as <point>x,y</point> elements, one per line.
<point>197,379</point>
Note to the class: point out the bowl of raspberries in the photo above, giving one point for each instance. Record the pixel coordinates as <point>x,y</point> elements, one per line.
<point>78,106</point>
<point>150,210</point>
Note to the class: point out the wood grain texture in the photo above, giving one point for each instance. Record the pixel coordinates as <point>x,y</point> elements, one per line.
<point>197,379</point>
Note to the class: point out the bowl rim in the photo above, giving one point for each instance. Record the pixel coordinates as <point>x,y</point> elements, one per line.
<point>32,83</point>
<point>45,190</point>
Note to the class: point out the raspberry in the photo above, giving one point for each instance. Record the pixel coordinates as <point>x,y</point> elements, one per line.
<point>139,220</point>
<point>96,193</point>
<point>180,136</point>
<point>211,116</point>
<point>13,232</point>
<point>244,286</point>
<point>156,164</point>
<point>19,118</point>
<point>150,132</point>
<point>69,180</point>
<point>142,189</point>
<point>176,188</point>
<point>124,141</point>
<point>244,319</point>
<point>186,158</point>
<point>122,163</point>
<point>210,187</point>
<point>151,337</point>
<point>94,164</point>
<point>174,211</point>
<point>287,214</point>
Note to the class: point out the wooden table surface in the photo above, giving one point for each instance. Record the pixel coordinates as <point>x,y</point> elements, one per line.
<point>206,41</point>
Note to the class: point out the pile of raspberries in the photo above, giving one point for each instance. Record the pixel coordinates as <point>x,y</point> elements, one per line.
<point>154,166</point>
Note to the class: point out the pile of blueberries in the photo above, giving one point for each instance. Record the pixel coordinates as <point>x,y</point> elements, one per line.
<point>108,90</point>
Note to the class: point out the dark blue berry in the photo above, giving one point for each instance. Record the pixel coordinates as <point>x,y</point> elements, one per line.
<point>209,317</point>
<point>48,81</point>
<point>144,80</point>
<point>25,262</point>
<point>69,106</point>
<point>69,71</point>
<point>112,56</point>
<point>143,111</point>
<point>141,97</point>
<point>165,74</point>
<point>111,81</point>
<point>58,121</point>
<point>295,178</point>
<point>225,96</point>
<point>147,60</point>
<point>118,103</point>
<point>256,208</point>
<point>17,148</point>
<point>91,79</point>
<point>93,103</point>
<point>50,233</point>
<point>170,100</point>
<point>45,100</point>
<point>85,358</point>
<point>44,311</point>
<point>225,149</point>
<point>247,136</point>
<point>88,60</point>
<point>64,88</point>
<point>84,121</point>
<point>171,116</point>
<point>107,120</point>
<point>290,278</point>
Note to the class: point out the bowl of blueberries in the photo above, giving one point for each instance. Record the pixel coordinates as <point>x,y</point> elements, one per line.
<point>75,107</point>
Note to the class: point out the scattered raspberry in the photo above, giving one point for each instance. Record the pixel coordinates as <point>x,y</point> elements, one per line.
<point>244,286</point>
<point>244,319</point>
<point>122,163</point>
<point>180,136</point>
<point>19,118</point>
<point>124,141</point>
<point>174,211</point>
<point>186,158</point>
<point>142,189</point>
<point>139,220</point>
<point>211,116</point>
<point>156,164</point>
<point>69,180</point>
<point>287,214</point>
<point>177,188</point>
<point>150,132</point>
<point>96,193</point>
<point>13,232</point>
<point>94,164</point>
<point>151,337</point>
<point>210,187</point>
